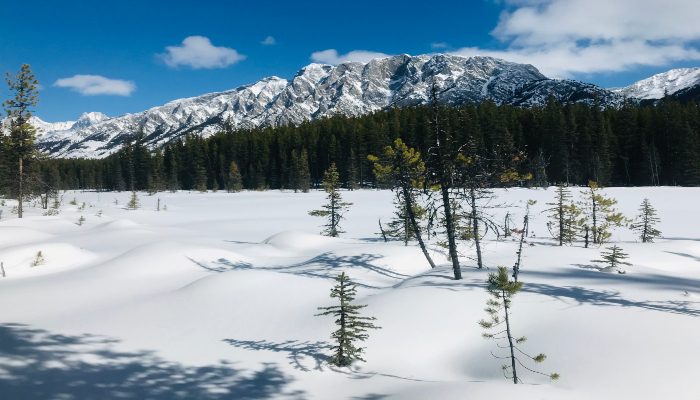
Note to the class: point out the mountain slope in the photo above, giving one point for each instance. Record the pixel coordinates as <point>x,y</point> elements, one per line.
<point>317,91</point>
<point>656,86</point>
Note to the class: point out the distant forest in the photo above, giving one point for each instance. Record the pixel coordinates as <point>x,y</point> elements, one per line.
<point>630,146</point>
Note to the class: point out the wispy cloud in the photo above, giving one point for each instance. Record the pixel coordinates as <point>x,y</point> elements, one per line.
<point>439,45</point>
<point>331,56</point>
<point>565,37</point>
<point>197,52</point>
<point>268,41</point>
<point>93,85</point>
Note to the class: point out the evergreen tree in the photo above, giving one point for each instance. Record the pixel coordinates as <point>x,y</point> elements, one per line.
<point>600,214</point>
<point>133,203</point>
<point>235,180</point>
<point>563,216</point>
<point>303,173</point>
<point>645,223</point>
<point>613,257</point>
<point>19,144</point>
<point>335,207</point>
<point>403,170</point>
<point>352,327</point>
<point>502,290</point>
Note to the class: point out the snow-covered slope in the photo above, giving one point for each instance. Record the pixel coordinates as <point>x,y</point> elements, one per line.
<point>656,86</point>
<point>215,299</point>
<point>319,90</point>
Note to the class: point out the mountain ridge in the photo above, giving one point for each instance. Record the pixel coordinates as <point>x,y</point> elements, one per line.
<point>321,90</point>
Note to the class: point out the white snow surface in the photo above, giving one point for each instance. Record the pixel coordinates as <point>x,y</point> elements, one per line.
<point>215,298</point>
<point>657,85</point>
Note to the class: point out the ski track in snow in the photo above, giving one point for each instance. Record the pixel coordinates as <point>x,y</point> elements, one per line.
<point>215,299</point>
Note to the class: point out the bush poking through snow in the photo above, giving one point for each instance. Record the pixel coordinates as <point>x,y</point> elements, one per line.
<point>81,221</point>
<point>352,327</point>
<point>502,290</point>
<point>38,259</point>
<point>613,257</point>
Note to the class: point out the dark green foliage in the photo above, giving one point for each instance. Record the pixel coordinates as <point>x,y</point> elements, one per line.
<point>235,180</point>
<point>645,223</point>
<point>498,307</point>
<point>334,209</point>
<point>613,257</point>
<point>634,145</point>
<point>352,327</point>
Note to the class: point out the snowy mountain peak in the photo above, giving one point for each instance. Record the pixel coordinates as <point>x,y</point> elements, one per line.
<point>321,90</point>
<point>656,86</point>
<point>89,118</point>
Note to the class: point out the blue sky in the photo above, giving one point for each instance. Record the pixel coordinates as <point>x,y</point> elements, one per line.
<point>126,56</point>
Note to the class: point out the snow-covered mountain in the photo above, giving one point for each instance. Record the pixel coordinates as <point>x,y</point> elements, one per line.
<point>656,86</point>
<point>319,90</point>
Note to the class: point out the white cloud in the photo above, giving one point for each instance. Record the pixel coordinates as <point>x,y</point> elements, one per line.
<point>197,52</point>
<point>565,37</point>
<point>268,41</point>
<point>93,85</point>
<point>331,56</point>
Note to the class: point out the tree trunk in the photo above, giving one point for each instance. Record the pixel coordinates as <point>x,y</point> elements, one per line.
<point>19,192</point>
<point>408,200</point>
<point>475,228</point>
<point>510,338</point>
<point>449,222</point>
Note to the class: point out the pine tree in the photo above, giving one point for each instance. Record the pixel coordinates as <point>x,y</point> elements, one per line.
<point>303,173</point>
<point>19,144</point>
<point>352,327</point>
<point>502,290</point>
<point>235,180</point>
<point>133,202</point>
<point>613,257</point>
<point>335,207</point>
<point>402,169</point>
<point>564,216</point>
<point>645,223</point>
<point>600,214</point>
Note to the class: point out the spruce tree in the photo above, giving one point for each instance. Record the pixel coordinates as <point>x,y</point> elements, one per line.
<point>613,257</point>
<point>303,173</point>
<point>19,144</point>
<point>133,203</point>
<point>600,214</point>
<point>502,290</point>
<point>335,207</point>
<point>645,223</point>
<point>402,169</point>
<point>564,216</point>
<point>235,181</point>
<point>352,327</point>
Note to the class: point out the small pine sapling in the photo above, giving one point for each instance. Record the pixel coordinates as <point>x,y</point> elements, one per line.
<point>81,221</point>
<point>133,202</point>
<point>352,327</point>
<point>38,259</point>
<point>335,207</point>
<point>74,202</point>
<point>645,223</point>
<point>599,213</point>
<point>502,290</point>
<point>613,257</point>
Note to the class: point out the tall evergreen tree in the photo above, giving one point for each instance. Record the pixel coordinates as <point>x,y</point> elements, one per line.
<point>352,327</point>
<point>235,181</point>
<point>600,213</point>
<point>402,168</point>
<point>19,144</point>
<point>563,216</point>
<point>334,209</point>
